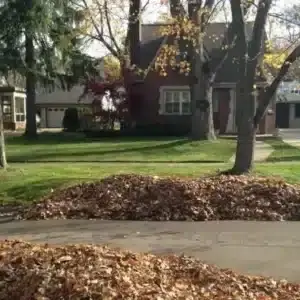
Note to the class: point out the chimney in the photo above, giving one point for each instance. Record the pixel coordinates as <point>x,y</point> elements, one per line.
<point>134,31</point>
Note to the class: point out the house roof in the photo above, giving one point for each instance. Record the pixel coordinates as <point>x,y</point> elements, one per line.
<point>215,33</point>
<point>149,49</point>
<point>151,41</point>
<point>62,97</point>
<point>11,89</point>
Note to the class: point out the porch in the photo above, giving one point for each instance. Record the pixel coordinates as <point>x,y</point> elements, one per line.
<point>13,103</point>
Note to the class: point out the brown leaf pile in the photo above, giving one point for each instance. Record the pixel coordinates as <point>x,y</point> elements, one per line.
<point>73,272</point>
<point>136,197</point>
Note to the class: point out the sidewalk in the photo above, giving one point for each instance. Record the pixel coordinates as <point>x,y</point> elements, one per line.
<point>261,152</point>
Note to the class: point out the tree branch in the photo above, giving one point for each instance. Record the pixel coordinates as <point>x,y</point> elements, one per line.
<point>100,36</point>
<point>177,9</point>
<point>220,64</point>
<point>231,31</point>
<point>208,7</point>
<point>269,92</point>
<point>109,28</point>
<point>255,45</point>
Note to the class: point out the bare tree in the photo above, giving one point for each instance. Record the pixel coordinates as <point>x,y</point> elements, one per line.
<point>115,25</point>
<point>249,115</point>
<point>202,75</point>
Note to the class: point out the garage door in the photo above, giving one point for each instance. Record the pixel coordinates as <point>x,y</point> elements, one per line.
<point>55,117</point>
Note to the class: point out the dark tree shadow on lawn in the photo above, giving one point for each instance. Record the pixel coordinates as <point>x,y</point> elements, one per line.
<point>47,138</point>
<point>284,158</point>
<point>47,156</point>
<point>105,161</point>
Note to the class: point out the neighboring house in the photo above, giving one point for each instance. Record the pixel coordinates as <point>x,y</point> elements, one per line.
<point>51,105</point>
<point>288,105</point>
<point>13,104</point>
<point>165,101</point>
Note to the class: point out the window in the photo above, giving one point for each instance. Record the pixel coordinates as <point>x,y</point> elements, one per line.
<point>6,108</point>
<point>297,110</point>
<point>20,109</point>
<point>176,102</point>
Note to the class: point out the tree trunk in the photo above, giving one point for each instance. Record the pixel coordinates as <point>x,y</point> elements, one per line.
<point>198,117</point>
<point>3,162</point>
<point>202,122</point>
<point>134,31</point>
<point>31,128</point>
<point>245,148</point>
<point>201,89</point>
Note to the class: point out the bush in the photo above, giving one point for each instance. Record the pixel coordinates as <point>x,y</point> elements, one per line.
<point>151,130</point>
<point>71,120</point>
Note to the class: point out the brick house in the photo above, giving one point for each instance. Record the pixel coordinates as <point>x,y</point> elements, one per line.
<point>165,101</point>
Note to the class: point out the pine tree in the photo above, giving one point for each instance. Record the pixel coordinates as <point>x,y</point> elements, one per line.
<point>37,39</point>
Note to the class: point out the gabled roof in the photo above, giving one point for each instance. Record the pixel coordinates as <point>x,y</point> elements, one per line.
<point>151,42</point>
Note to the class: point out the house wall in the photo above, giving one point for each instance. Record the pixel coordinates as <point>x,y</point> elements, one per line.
<point>45,113</point>
<point>149,96</point>
<point>293,120</point>
<point>62,97</point>
<point>224,119</point>
<point>268,123</point>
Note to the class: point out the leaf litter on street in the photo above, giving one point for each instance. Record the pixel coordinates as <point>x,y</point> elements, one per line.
<point>31,271</point>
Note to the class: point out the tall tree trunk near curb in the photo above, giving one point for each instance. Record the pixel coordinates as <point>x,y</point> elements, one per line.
<point>249,52</point>
<point>244,157</point>
<point>31,128</point>
<point>201,89</point>
<point>3,161</point>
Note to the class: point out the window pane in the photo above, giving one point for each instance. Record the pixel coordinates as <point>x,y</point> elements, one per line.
<point>185,96</point>
<point>186,107</point>
<point>169,108</point>
<point>20,118</point>
<point>168,96</point>
<point>176,107</point>
<point>6,104</point>
<point>6,109</point>
<point>297,110</point>
<point>176,96</point>
<point>6,99</point>
<point>20,105</point>
<point>7,118</point>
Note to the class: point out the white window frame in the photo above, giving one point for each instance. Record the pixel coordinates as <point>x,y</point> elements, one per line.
<point>20,114</point>
<point>162,99</point>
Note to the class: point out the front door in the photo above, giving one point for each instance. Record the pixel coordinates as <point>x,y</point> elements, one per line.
<point>282,115</point>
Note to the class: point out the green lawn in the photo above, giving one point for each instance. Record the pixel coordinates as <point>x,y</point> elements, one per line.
<point>54,161</point>
<point>282,152</point>
<point>59,148</point>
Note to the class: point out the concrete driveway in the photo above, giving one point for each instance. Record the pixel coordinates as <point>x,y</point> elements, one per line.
<point>257,248</point>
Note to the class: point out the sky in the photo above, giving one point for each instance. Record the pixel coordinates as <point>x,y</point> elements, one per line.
<point>155,9</point>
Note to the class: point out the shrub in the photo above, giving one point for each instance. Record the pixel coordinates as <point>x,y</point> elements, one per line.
<point>71,120</point>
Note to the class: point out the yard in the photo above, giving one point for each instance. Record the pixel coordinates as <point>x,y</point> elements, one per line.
<point>55,160</point>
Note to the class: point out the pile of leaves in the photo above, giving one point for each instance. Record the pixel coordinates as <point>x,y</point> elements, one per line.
<point>136,197</point>
<point>40,272</point>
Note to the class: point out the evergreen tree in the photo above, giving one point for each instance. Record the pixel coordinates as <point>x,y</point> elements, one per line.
<point>38,40</point>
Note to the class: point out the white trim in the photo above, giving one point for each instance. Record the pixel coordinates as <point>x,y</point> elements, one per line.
<point>224,85</point>
<point>165,88</point>
<point>234,85</point>
<point>20,96</point>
